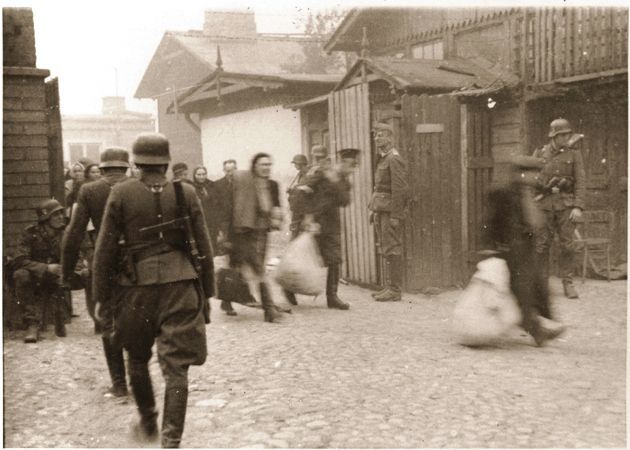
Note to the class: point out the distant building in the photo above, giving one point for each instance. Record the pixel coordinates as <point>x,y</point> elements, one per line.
<point>31,149</point>
<point>221,91</point>
<point>85,136</point>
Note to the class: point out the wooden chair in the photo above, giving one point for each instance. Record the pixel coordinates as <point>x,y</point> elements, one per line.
<point>592,235</point>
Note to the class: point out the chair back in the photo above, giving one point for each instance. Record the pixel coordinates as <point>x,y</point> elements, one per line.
<point>595,224</point>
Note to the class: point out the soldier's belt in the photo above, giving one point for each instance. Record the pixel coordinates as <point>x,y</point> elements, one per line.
<point>153,250</point>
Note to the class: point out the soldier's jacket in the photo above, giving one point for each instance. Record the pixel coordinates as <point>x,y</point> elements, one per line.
<point>131,206</point>
<point>329,194</point>
<point>562,163</point>
<point>294,194</point>
<point>390,186</point>
<point>90,206</point>
<point>38,247</point>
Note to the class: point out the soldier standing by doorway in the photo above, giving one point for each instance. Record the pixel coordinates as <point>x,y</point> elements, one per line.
<point>162,283</point>
<point>90,205</point>
<point>388,205</point>
<point>561,195</point>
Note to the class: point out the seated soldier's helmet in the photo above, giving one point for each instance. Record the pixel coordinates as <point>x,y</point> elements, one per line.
<point>151,149</point>
<point>559,126</point>
<point>47,208</point>
<point>319,151</point>
<point>114,157</point>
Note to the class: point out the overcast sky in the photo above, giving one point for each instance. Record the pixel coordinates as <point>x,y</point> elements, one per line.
<point>102,48</point>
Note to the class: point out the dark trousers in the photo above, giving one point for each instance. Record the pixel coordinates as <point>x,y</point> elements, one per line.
<point>557,222</point>
<point>528,282</point>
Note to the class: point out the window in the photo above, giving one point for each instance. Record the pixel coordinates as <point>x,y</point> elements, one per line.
<point>428,50</point>
<point>90,150</point>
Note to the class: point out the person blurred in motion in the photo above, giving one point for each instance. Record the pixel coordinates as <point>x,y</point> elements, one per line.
<point>561,195</point>
<point>37,272</point>
<point>224,189</point>
<point>89,209</point>
<point>209,195</point>
<point>163,277</point>
<point>513,224</point>
<point>256,211</point>
<point>325,191</point>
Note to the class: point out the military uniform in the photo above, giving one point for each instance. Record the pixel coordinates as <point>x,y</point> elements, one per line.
<point>562,188</point>
<point>389,202</point>
<point>91,206</point>
<point>158,294</point>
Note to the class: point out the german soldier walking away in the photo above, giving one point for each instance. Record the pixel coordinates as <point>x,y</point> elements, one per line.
<point>37,275</point>
<point>163,283</point>
<point>388,204</point>
<point>561,195</point>
<point>90,205</point>
<point>514,220</point>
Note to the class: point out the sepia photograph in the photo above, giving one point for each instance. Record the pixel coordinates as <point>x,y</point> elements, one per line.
<point>314,224</point>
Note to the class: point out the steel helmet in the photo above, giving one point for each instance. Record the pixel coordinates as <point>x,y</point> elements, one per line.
<point>114,157</point>
<point>559,126</point>
<point>47,208</point>
<point>151,149</point>
<point>299,159</point>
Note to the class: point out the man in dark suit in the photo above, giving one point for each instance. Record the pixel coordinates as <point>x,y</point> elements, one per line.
<point>90,207</point>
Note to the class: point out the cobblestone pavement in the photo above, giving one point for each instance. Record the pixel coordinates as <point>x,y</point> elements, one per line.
<point>379,375</point>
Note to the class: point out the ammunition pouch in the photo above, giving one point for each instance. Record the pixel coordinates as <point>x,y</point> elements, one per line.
<point>380,202</point>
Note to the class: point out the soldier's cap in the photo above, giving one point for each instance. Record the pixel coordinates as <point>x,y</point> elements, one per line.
<point>114,157</point>
<point>348,153</point>
<point>47,208</point>
<point>151,149</point>
<point>299,159</point>
<point>178,167</point>
<point>382,126</point>
<point>524,162</point>
<point>319,151</point>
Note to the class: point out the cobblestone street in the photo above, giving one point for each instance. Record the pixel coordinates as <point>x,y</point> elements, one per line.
<point>379,375</point>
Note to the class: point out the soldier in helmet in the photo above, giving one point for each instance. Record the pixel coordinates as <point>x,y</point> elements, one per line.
<point>561,193</point>
<point>37,273</point>
<point>162,283</point>
<point>90,207</point>
<point>388,204</point>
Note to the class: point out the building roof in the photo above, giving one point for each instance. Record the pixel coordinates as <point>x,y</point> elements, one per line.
<point>434,75</point>
<point>268,54</point>
<point>348,35</point>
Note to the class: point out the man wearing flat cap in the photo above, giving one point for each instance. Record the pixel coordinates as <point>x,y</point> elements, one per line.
<point>180,171</point>
<point>324,193</point>
<point>388,206</point>
<point>561,195</point>
<point>90,207</point>
<point>162,283</point>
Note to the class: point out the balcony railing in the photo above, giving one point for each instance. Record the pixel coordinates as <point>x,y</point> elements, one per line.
<point>554,43</point>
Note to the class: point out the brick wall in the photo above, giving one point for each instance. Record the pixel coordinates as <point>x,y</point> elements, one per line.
<point>26,155</point>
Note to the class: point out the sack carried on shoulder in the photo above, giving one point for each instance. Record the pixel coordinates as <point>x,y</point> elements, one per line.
<point>487,308</point>
<point>232,287</point>
<point>300,269</point>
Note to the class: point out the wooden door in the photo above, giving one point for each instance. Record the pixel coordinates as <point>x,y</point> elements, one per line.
<point>430,137</point>
<point>349,123</point>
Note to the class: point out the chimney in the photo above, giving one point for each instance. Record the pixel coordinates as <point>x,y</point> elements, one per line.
<point>231,24</point>
<point>113,105</point>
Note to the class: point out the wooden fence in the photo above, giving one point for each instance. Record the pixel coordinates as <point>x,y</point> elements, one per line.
<point>552,43</point>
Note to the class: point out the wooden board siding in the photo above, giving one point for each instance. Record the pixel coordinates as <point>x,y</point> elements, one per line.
<point>349,122</point>
<point>434,246</point>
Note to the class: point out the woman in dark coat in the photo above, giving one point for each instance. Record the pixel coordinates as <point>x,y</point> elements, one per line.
<point>208,194</point>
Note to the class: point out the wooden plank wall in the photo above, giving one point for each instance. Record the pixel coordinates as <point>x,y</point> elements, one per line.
<point>349,121</point>
<point>434,251</point>
<point>554,43</point>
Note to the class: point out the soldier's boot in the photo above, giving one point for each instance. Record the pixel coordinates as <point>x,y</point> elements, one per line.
<point>332,285</point>
<point>60,319</point>
<point>379,293</point>
<point>290,297</point>
<point>174,417</point>
<point>569,289</point>
<point>116,366</point>
<point>387,273</point>
<point>146,430</point>
<point>32,334</point>
<point>394,290</point>
<point>272,314</point>
<point>227,308</point>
